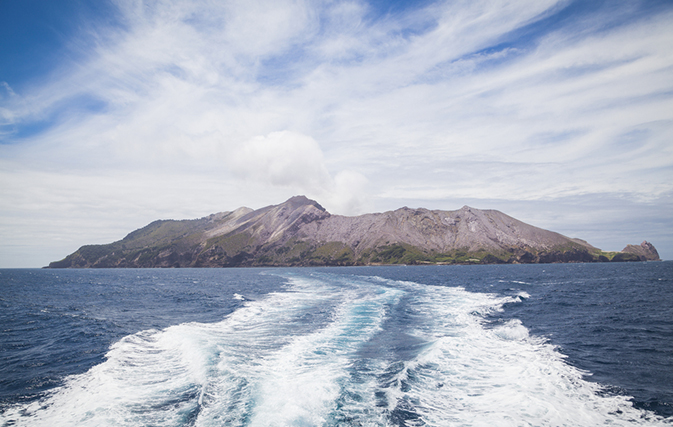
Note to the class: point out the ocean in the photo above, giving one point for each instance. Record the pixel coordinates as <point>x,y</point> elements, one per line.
<point>484,345</point>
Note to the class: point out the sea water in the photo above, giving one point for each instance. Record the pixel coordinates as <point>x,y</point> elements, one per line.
<point>512,345</point>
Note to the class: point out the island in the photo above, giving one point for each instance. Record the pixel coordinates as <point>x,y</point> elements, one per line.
<point>300,232</point>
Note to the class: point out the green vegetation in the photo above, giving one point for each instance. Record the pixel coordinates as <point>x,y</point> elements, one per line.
<point>625,257</point>
<point>239,250</point>
<point>407,254</point>
<point>161,233</point>
<point>603,256</point>
<point>230,243</point>
<point>398,254</point>
<point>93,252</point>
<point>332,253</point>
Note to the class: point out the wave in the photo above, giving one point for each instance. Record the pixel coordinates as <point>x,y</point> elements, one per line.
<point>337,350</point>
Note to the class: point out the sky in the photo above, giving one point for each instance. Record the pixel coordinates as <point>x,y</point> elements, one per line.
<point>116,113</point>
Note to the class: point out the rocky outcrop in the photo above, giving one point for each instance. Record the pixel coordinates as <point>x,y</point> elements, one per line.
<point>300,232</point>
<point>644,252</point>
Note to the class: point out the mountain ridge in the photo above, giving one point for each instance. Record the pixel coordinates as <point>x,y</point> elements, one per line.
<point>300,232</point>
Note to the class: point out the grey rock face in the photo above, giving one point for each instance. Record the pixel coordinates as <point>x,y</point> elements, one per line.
<point>645,251</point>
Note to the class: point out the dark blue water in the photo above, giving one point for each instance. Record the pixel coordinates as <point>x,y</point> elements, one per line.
<point>562,344</point>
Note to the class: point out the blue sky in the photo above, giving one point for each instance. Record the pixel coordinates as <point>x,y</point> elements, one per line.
<point>114,114</point>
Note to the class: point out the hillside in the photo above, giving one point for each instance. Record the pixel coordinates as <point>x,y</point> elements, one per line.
<point>300,232</point>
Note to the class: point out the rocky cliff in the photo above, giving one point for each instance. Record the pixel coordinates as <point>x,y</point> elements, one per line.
<point>300,232</point>
<point>644,252</point>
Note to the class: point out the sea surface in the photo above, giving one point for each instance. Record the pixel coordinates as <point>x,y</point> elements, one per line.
<point>493,345</point>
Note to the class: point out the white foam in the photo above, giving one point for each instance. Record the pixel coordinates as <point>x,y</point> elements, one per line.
<point>147,379</point>
<point>472,375</point>
<point>511,331</point>
<point>163,377</point>
<point>522,296</point>
<point>299,383</point>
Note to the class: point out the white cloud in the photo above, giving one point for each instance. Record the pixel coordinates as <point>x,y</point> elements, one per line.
<point>283,159</point>
<point>292,160</point>
<point>432,105</point>
<point>349,194</point>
